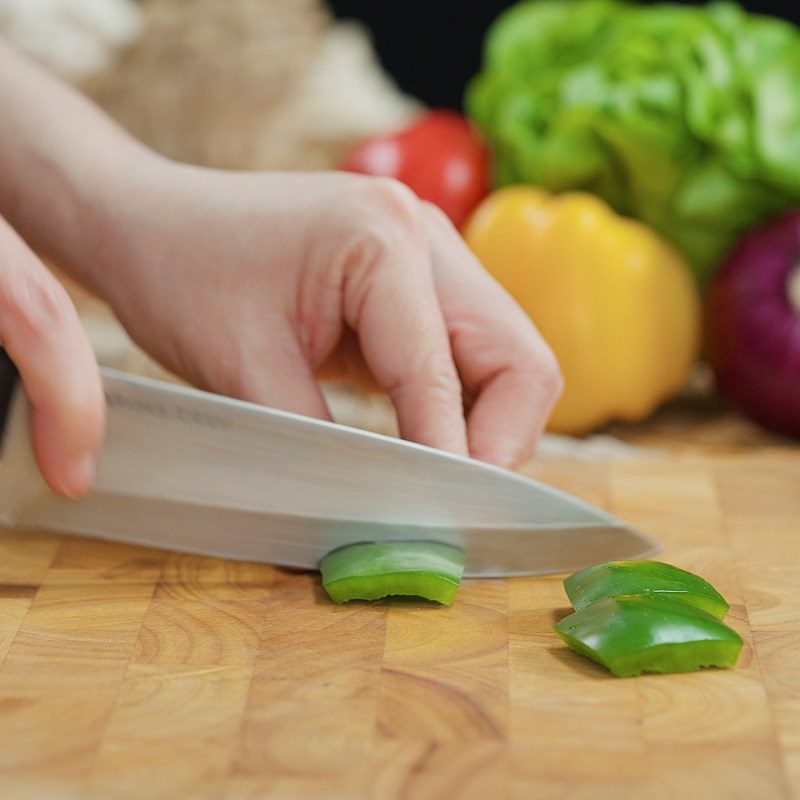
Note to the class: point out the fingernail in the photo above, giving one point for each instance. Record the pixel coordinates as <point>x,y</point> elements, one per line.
<point>81,476</point>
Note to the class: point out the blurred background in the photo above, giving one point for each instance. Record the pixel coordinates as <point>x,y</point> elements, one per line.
<point>670,297</point>
<point>436,72</point>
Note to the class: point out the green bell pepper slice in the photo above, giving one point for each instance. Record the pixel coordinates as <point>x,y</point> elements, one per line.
<point>372,570</point>
<point>632,634</point>
<point>643,577</point>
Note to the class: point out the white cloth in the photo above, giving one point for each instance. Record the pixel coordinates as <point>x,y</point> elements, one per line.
<point>76,38</point>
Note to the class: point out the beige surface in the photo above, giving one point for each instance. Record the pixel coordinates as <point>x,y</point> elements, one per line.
<point>132,673</point>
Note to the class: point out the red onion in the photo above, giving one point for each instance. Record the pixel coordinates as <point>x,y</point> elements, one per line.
<point>753,325</point>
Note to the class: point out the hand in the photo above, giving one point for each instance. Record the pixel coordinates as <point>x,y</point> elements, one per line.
<point>248,284</point>
<point>41,332</point>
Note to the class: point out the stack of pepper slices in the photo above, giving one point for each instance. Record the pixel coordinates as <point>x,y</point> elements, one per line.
<point>646,616</point>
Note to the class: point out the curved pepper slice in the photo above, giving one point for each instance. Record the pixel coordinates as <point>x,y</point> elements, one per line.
<point>373,570</point>
<point>643,577</point>
<point>632,634</point>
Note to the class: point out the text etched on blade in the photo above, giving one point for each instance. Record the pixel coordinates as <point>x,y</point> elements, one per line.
<point>166,411</point>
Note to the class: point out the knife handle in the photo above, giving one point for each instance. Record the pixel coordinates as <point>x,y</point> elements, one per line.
<point>8,380</point>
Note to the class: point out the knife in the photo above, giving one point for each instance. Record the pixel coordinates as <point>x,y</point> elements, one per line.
<point>196,472</point>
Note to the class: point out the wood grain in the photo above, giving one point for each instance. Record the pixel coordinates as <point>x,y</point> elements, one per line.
<point>135,673</point>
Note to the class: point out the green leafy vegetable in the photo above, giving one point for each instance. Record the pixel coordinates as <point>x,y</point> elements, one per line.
<point>632,634</point>
<point>373,570</point>
<point>686,118</point>
<point>652,578</point>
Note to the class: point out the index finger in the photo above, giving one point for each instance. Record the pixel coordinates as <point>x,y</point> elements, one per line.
<point>391,302</point>
<point>501,357</point>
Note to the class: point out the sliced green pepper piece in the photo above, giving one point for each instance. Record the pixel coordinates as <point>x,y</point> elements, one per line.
<point>632,634</point>
<point>373,570</point>
<point>643,577</point>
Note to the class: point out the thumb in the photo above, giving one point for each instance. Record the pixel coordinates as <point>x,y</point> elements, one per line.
<point>42,334</point>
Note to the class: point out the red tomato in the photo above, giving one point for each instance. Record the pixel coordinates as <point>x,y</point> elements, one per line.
<point>440,156</point>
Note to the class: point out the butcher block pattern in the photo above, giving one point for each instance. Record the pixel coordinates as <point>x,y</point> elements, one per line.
<point>134,673</point>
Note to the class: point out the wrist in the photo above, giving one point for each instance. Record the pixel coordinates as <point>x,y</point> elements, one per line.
<point>66,170</point>
<point>101,214</point>
<point>73,209</point>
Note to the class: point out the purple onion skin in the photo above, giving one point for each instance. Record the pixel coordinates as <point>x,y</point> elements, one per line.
<point>753,326</point>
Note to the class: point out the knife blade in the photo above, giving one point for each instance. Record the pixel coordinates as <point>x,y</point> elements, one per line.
<point>191,471</point>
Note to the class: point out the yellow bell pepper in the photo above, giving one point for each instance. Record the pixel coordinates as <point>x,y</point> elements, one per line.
<point>616,304</point>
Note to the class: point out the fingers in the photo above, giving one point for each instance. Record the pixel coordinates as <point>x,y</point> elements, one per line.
<point>510,414</point>
<point>505,364</point>
<point>390,301</point>
<point>41,332</point>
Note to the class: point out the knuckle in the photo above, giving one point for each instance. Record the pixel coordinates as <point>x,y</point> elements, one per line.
<point>32,299</point>
<point>541,365</point>
<point>434,375</point>
<point>550,375</point>
<point>440,378</point>
<point>436,214</point>
<point>394,194</point>
<point>84,407</point>
<point>390,202</point>
<point>384,226</point>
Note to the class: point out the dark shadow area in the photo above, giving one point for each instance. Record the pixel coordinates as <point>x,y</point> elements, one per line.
<point>320,595</point>
<point>417,603</point>
<point>579,664</point>
<point>294,571</point>
<point>557,614</point>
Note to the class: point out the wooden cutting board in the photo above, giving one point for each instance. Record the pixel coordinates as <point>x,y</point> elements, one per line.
<point>133,673</point>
